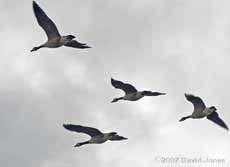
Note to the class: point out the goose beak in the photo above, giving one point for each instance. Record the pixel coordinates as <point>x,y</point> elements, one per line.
<point>32,50</point>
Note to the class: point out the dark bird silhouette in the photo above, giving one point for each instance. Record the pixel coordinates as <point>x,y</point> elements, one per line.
<point>97,137</point>
<point>201,111</point>
<point>55,40</point>
<point>131,93</point>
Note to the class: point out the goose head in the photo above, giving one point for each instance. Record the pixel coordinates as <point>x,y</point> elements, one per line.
<point>36,48</point>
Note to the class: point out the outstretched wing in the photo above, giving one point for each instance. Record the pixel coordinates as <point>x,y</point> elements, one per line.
<point>82,129</point>
<point>45,22</point>
<point>127,88</point>
<point>150,93</point>
<point>76,44</point>
<point>197,102</point>
<point>117,137</point>
<point>214,117</point>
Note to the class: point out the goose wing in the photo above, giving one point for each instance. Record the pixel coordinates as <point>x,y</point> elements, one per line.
<point>127,88</point>
<point>82,129</point>
<point>150,93</point>
<point>214,117</point>
<point>117,137</point>
<point>45,22</point>
<point>76,44</point>
<point>197,102</point>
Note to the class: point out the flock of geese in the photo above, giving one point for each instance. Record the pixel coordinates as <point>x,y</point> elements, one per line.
<point>56,40</point>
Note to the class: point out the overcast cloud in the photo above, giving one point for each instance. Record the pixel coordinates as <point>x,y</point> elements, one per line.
<point>172,46</point>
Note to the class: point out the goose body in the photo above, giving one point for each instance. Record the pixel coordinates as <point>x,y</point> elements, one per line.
<point>133,96</point>
<point>201,111</point>
<point>101,138</point>
<point>131,93</point>
<point>202,114</point>
<point>97,137</point>
<point>55,40</point>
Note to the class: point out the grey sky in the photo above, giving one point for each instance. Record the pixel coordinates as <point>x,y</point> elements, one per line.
<point>172,46</point>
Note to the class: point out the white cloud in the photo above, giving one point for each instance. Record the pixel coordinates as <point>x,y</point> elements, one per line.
<point>169,46</point>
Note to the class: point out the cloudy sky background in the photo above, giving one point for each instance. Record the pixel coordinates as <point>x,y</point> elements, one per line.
<point>172,46</point>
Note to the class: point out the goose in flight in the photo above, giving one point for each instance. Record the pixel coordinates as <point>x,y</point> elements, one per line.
<point>131,93</point>
<point>97,137</point>
<point>55,40</point>
<point>201,111</point>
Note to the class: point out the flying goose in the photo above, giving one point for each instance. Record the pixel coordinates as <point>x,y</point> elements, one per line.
<point>131,93</point>
<point>201,111</point>
<point>55,40</point>
<point>97,137</point>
